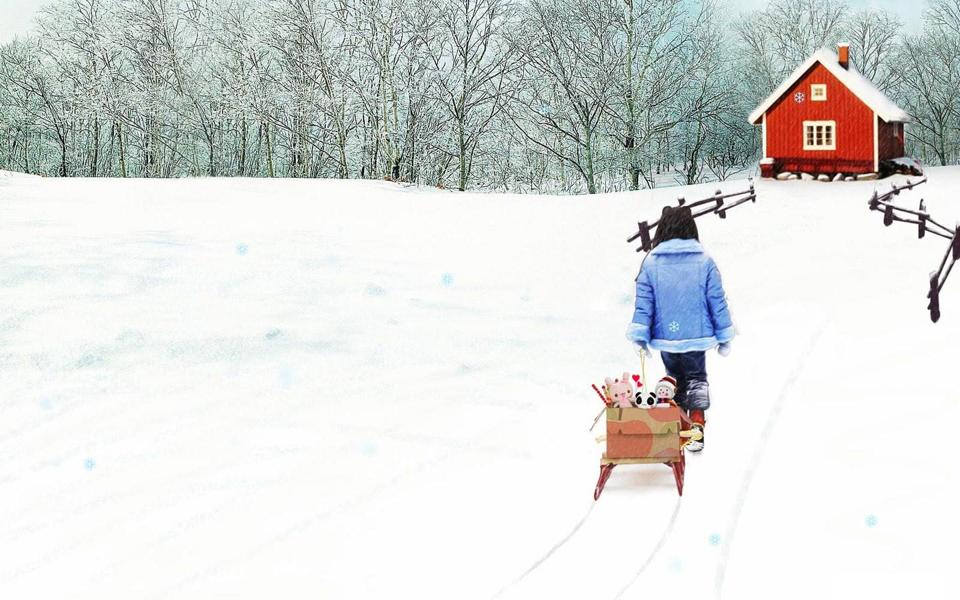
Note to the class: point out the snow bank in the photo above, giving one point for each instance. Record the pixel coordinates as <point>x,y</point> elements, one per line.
<point>906,165</point>
<point>8,174</point>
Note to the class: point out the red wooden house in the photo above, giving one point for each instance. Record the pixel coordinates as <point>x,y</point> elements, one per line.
<point>827,118</point>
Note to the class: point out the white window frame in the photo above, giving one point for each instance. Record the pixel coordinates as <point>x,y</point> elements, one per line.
<point>821,146</point>
<point>818,92</point>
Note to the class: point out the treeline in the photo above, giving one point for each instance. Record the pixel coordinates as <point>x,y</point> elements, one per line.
<point>521,95</point>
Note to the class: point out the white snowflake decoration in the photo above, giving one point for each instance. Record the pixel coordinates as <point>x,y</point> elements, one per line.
<point>799,97</point>
<point>674,326</point>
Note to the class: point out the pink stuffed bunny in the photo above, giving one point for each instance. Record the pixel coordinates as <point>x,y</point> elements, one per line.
<point>620,391</point>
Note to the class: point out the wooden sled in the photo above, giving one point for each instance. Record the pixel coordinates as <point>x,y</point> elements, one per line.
<point>646,436</point>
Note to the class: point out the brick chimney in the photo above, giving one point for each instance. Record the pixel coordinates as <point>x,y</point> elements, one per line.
<point>843,55</point>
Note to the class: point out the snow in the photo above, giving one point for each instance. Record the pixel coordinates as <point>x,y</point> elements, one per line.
<point>862,87</point>
<point>908,162</point>
<point>5,174</point>
<point>338,389</point>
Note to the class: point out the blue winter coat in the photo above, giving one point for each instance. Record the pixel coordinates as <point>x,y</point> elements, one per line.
<point>681,305</point>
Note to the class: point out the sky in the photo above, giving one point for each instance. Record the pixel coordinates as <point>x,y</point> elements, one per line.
<point>16,16</point>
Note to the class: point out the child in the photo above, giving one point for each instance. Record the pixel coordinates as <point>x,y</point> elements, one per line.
<point>681,310</point>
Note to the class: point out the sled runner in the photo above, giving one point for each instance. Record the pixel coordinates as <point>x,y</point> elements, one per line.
<point>646,436</point>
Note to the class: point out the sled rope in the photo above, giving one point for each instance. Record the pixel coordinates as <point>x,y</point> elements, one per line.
<point>643,371</point>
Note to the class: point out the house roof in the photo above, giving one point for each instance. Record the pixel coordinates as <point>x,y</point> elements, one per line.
<point>862,87</point>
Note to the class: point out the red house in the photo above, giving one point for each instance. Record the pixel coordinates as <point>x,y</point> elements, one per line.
<point>827,118</point>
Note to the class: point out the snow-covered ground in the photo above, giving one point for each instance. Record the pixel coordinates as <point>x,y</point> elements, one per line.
<point>326,389</point>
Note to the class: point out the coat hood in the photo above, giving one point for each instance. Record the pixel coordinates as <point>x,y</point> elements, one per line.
<point>678,247</point>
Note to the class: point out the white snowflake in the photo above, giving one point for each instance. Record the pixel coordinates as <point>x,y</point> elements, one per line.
<point>674,326</point>
<point>798,97</point>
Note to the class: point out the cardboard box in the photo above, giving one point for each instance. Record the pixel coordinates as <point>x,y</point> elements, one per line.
<point>643,433</point>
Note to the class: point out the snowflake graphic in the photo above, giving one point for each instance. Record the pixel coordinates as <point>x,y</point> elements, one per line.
<point>674,326</point>
<point>799,97</point>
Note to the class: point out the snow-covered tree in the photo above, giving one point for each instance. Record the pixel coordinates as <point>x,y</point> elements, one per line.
<point>527,95</point>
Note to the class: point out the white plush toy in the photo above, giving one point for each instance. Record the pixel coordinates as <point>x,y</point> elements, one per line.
<point>665,390</point>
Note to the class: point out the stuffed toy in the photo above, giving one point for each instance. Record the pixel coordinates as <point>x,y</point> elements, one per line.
<point>619,391</point>
<point>665,390</point>
<point>648,400</point>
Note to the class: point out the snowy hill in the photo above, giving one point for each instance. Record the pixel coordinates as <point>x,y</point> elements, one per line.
<point>339,389</point>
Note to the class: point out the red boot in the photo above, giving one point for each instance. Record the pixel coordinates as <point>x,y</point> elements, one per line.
<point>699,422</point>
<point>697,416</point>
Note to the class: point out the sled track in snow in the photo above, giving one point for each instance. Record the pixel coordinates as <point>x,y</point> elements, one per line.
<point>549,553</point>
<point>653,553</point>
<point>744,490</point>
<point>754,463</point>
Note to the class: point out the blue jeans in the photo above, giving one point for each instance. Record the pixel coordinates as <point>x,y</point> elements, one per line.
<point>690,371</point>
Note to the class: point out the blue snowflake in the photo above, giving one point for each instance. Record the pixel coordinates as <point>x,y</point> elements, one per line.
<point>368,449</point>
<point>89,464</point>
<point>89,360</point>
<point>715,539</point>
<point>242,249</point>
<point>287,377</point>
<point>871,521</point>
<point>446,279</point>
<point>674,326</point>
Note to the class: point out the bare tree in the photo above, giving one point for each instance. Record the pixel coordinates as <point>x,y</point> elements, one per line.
<point>874,37</point>
<point>571,52</point>
<point>657,60</point>
<point>784,34</point>
<point>471,61</point>
<point>22,69</point>
<point>930,92</point>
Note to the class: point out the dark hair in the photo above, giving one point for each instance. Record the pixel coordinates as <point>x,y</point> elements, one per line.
<point>676,223</point>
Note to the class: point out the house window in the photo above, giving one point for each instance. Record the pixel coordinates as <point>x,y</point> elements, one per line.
<point>818,92</point>
<point>819,135</point>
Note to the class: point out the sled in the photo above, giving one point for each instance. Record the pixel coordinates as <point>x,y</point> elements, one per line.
<point>646,436</point>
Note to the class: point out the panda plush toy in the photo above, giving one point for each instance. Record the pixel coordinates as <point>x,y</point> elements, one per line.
<point>648,400</point>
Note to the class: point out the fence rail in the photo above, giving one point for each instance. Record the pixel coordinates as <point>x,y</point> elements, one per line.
<point>894,213</point>
<point>715,204</point>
